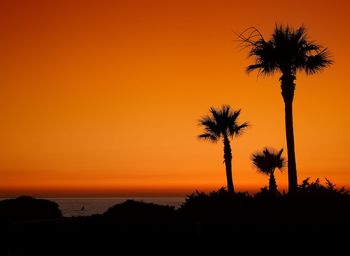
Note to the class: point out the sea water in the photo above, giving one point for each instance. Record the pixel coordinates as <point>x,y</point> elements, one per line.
<point>84,206</point>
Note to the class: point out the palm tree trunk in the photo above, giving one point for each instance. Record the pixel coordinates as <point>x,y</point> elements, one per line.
<point>292,170</point>
<point>228,164</point>
<point>288,87</point>
<point>272,184</point>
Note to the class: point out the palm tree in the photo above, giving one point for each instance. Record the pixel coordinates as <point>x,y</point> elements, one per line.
<point>222,124</point>
<point>287,52</point>
<point>266,162</point>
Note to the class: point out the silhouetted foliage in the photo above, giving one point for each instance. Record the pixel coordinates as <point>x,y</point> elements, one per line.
<point>28,208</point>
<point>222,124</point>
<point>287,51</point>
<point>319,212</point>
<point>214,199</point>
<point>266,193</point>
<point>215,212</point>
<point>266,162</point>
<point>135,217</point>
<point>327,192</point>
<point>139,209</point>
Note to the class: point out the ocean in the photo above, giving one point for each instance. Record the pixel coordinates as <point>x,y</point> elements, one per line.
<point>84,206</point>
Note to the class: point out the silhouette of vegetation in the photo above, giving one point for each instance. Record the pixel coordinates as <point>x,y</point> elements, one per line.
<point>287,51</point>
<point>140,209</point>
<point>222,124</point>
<point>266,163</point>
<point>218,202</point>
<point>318,212</point>
<point>327,192</point>
<point>202,202</point>
<point>28,208</point>
<point>135,217</point>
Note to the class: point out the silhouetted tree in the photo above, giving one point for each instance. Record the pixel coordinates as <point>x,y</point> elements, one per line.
<point>28,208</point>
<point>222,124</point>
<point>266,162</point>
<point>287,51</point>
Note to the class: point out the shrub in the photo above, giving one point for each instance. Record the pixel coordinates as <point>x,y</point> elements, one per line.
<point>28,208</point>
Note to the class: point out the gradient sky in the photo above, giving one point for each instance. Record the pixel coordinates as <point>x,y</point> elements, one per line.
<point>103,97</point>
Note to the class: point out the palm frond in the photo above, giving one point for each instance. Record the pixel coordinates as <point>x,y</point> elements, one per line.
<point>240,129</point>
<point>209,137</point>
<point>254,67</point>
<point>249,37</point>
<point>316,63</point>
<point>210,125</point>
<point>235,114</point>
<point>311,46</point>
<point>267,160</point>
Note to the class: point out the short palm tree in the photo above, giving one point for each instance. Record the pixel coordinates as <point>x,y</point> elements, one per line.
<point>266,162</point>
<point>222,124</point>
<point>287,52</point>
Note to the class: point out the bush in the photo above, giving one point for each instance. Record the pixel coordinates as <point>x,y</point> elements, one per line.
<point>28,208</point>
<point>215,205</point>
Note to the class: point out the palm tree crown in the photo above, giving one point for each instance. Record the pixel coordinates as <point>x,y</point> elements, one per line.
<point>288,50</point>
<point>268,160</point>
<point>220,123</point>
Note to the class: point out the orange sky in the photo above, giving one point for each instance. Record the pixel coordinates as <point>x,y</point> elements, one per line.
<point>103,97</point>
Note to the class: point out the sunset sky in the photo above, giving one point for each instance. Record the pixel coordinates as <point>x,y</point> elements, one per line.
<point>104,97</point>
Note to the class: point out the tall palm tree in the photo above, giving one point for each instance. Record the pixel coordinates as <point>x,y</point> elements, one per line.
<point>266,162</point>
<point>222,124</point>
<point>287,52</point>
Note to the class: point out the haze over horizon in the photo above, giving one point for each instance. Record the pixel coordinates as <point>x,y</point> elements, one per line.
<point>103,97</point>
